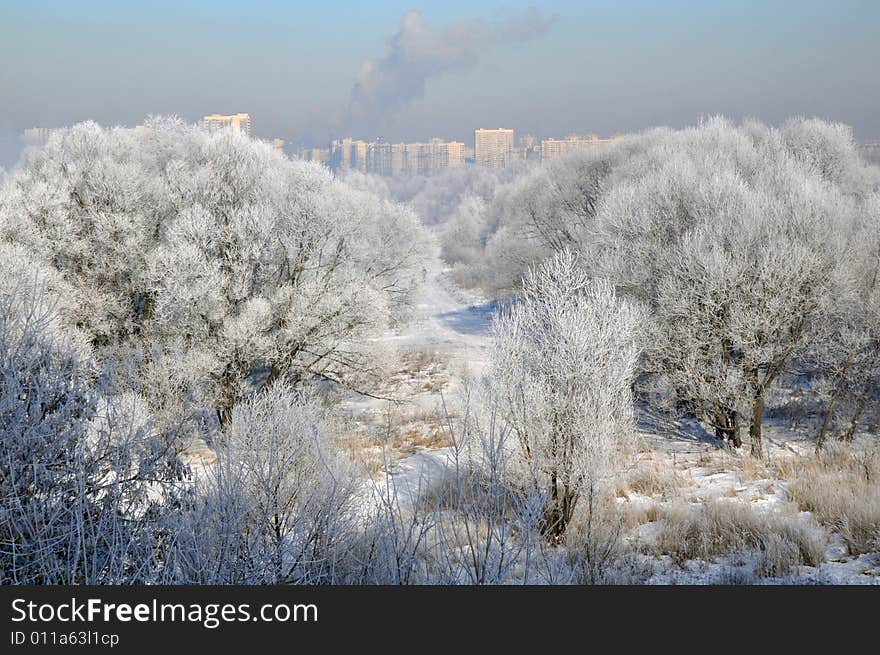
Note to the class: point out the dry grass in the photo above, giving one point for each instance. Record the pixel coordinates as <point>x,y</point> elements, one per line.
<point>841,487</point>
<point>754,468</point>
<point>472,492</point>
<point>419,432</point>
<point>716,461</point>
<point>418,360</point>
<point>632,515</point>
<point>366,451</point>
<point>747,467</point>
<point>653,477</point>
<point>423,371</point>
<point>781,541</point>
<point>401,435</point>
<point>198,454</point>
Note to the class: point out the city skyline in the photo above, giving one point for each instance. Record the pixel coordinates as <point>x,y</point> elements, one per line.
<point>382,157</point>
<point>410,71</point>
<point>406,156</point>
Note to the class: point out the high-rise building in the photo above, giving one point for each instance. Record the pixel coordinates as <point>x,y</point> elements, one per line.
<point>240,122</point>
<point>348,153</point>
<point>383,158</point>
<point>493,148</point>
<point>528,147</point>
<point>359,155</point>
<point>340,153</point>
<point>398,159</point>
<point>412,159</point>
<point>432,157</point>
<point>428,156</point>
<point>551,148</point>
<point>319,155</point>
<point>454,154</point>
<point>380,155</point>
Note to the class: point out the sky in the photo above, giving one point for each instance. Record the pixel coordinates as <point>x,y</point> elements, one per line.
<point>306,71</point>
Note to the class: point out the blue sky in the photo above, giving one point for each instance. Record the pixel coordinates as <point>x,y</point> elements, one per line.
<point>601,66</point>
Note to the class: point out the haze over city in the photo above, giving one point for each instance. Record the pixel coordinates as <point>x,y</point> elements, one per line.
<point>415,70</point>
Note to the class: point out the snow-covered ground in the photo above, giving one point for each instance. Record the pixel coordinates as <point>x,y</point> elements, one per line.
<point>401,436</point>
<point>447,341</point>
<point>446,320</point>
<point>444,342</point>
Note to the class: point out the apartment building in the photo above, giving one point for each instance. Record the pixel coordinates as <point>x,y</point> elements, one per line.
<point>240,122</point>
<point>493,148</point>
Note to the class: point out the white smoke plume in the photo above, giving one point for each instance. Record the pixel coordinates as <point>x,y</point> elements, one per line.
<point>418,53</point>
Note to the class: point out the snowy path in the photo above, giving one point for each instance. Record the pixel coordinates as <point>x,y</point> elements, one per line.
<point>447,319</point>
<point>448,323</point>
<point>447,340</point>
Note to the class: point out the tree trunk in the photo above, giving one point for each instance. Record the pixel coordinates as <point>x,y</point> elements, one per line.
<point>227,395</point>
<point>857,414</point>
<point>727,426</point>
<point>275,373</point>
<point>829,412</point>
<point>862,399</point>
<point>554,520</point>
<point>757,421</point>
<point>224,413</point>
<point>568,502</point>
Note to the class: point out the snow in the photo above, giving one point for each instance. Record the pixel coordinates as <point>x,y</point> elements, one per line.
<point>447,319</point>
<point>451,327</point>
<point>454,326</point>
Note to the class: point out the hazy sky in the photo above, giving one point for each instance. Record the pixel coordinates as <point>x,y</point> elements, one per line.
<point>412,70</point>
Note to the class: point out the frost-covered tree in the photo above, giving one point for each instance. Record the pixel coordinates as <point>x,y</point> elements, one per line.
<point>538,210</point>
<point>276,506</point>
<point>739,240</point>
<point>564,359</point>
<point>463,233</point>
<point>460,202</point>
<point>215,259</point>
<point>850,357</point>
<point>738,248</point>
<point>84,474</point>
<point>436,198</point>
<point>555,205</point>
<point>829,151</point>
